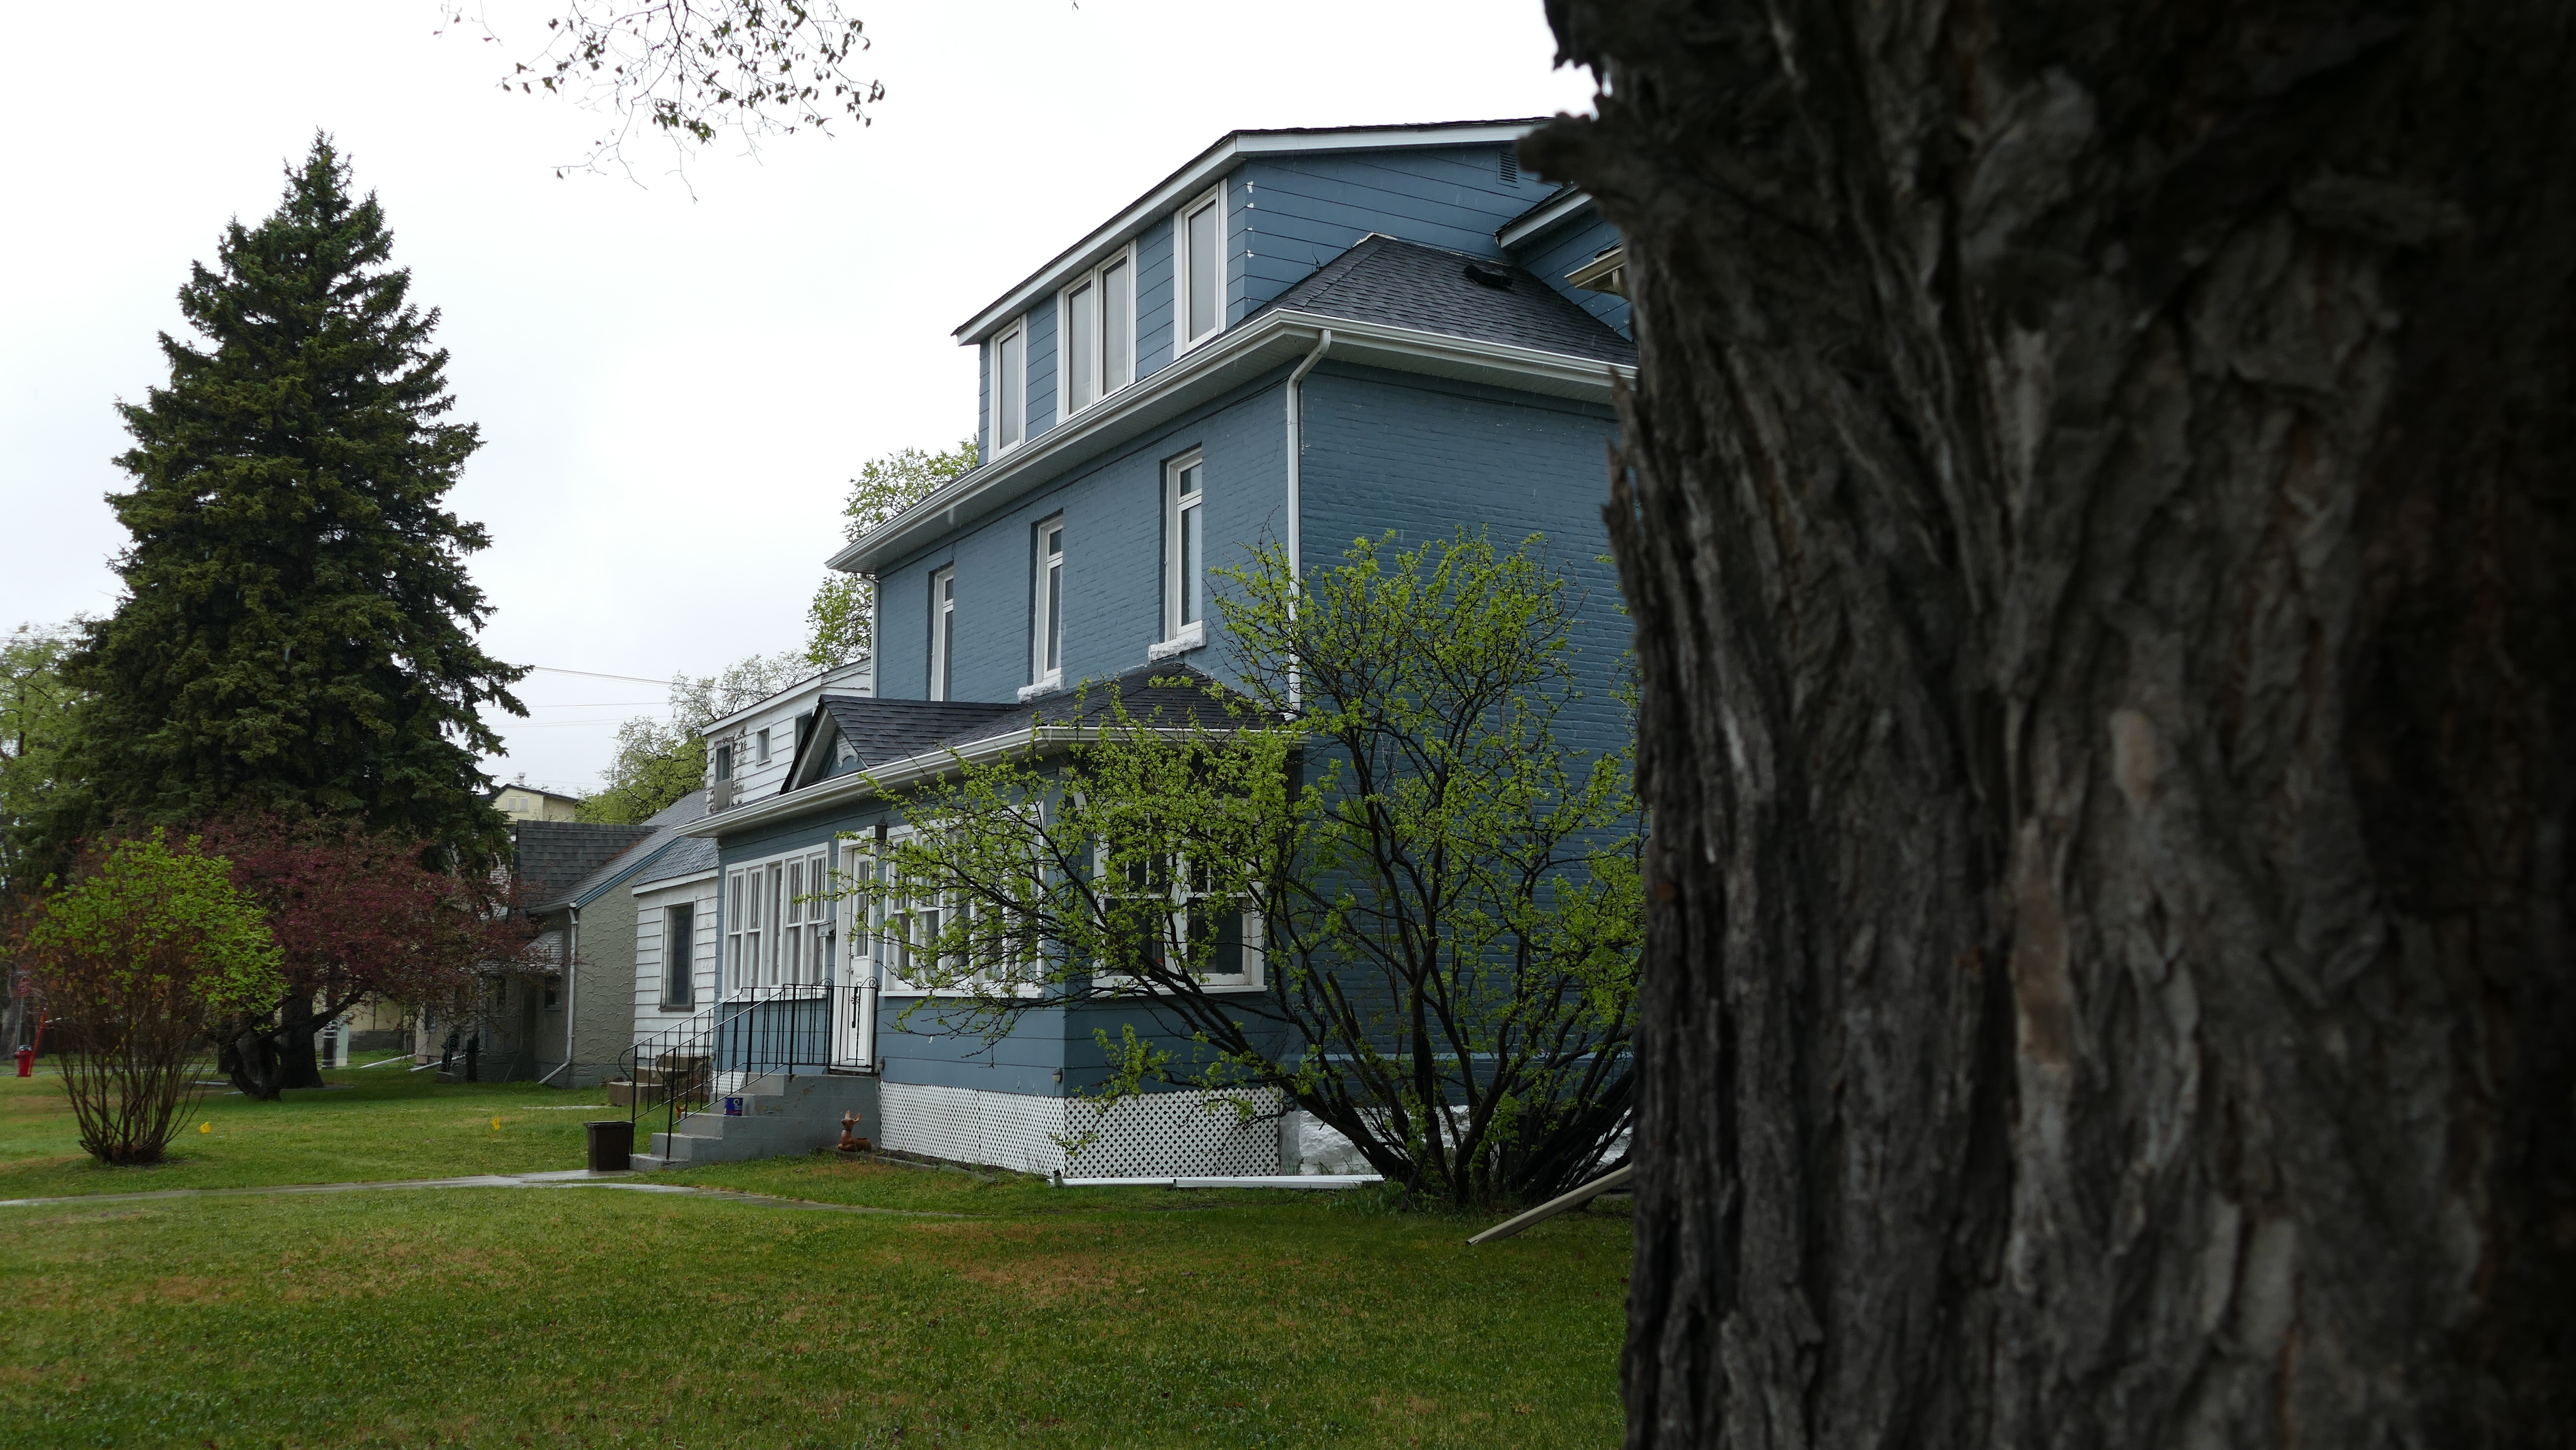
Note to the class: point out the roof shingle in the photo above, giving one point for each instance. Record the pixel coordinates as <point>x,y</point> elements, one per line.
<point>1406,284</point>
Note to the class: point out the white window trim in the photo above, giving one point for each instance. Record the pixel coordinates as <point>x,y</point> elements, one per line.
<point>1255,973</point>
<point>757,897</point>
<point>943,629</point>
<point>1124,256</point>
<point>1018,329</point>
<point>1175,632</point>
<point>1181,340</point>
<point>883,944</point>
<point>1042,614</point>
<point>688,954</point>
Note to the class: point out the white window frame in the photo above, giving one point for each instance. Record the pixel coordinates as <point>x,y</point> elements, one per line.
<point>1255,939</point>
<point>1010,387</point>
<point>778,923</point>
<point>893,934</point>
<point>1046,606</point>
<point>685,958</point>
<point>943,629</point>
<point>760,747</point>
<point>1106,378</point>
<point>1177,506</point>
<point>1182,339</point>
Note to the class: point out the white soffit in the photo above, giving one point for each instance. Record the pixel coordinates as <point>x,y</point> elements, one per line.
<point>1529,224</point>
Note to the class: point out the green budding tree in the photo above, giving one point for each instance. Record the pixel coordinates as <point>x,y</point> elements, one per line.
<point>137,959</point>
<point>1373,879</point>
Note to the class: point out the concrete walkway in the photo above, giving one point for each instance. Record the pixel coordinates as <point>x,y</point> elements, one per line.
<point>570,1178</point>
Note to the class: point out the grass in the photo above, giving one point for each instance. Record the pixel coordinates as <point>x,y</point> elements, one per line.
<point>593,1317</point>
<point>372,1123</point>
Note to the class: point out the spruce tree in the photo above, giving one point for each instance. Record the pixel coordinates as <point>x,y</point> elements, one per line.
<point>298,632</point>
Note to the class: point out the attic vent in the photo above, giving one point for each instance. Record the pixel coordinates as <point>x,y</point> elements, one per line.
<point>1509,167</point>
<point>1485,274</point>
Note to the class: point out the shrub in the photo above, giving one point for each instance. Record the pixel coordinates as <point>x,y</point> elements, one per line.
<point>139,956</point>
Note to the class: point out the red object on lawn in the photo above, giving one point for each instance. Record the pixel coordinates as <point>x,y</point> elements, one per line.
<point>26,1062</point>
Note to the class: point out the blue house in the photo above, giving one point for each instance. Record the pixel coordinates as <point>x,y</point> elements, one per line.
<point>1301,336</point>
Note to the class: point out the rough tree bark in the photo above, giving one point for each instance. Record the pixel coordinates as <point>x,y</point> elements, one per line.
<point>2095,505</point>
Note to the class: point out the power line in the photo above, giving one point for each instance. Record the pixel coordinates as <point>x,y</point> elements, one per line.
<point>596,675</point>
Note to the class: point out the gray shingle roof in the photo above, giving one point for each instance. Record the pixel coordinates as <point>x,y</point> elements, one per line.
<point>889,730</point>
<point>883,730</point>
<point>659,832</point>
<point>1406,284</point>
<point>552,856</point>
<point>686,856</point>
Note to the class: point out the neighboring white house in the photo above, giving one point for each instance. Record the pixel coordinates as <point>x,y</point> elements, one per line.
<point>675,937</point>
<point>748,751</point>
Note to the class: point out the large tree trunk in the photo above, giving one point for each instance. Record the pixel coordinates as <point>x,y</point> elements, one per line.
<point>2095,506</point>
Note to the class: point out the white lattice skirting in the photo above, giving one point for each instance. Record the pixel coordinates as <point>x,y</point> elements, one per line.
<point>1177,1134</point>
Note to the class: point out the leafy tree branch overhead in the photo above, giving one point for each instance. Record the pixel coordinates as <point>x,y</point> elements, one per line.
<point>692,70</point>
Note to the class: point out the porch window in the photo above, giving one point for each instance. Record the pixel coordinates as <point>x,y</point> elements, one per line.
<point>1173,907</point>
<point>778,916</point>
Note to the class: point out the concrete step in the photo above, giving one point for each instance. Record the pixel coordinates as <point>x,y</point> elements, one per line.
<point>797,1115</point>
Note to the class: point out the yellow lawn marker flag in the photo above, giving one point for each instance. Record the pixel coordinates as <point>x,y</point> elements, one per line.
<point>496,1125</point>
<point>205,1127</point>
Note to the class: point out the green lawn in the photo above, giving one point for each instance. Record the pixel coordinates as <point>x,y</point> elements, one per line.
<point>588,1316</point>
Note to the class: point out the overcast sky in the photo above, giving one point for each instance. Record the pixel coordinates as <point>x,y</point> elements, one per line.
<point>673,381</point>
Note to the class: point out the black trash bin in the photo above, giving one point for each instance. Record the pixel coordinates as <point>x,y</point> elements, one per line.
<point>612,1145</point>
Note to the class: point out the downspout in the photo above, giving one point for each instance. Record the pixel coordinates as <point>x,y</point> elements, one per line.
<point>1296,495</point>
<point>572,995</point>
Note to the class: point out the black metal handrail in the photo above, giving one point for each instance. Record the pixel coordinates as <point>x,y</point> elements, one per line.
<point>678,1070</point>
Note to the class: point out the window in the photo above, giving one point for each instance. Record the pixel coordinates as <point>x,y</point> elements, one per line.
<point>1184,547</point>
<point>1196,921</point>
<point>724,762</point>
<point>1046,652</point>
<point>1198,272</point>
<point>777,915</point>
<point>943,629</point>
<point>679,956</point>
<point>1098,334</point>
<point>760,747</point>
<point>902,935</point>
<point>1010,387</point>
<point>551,984</point>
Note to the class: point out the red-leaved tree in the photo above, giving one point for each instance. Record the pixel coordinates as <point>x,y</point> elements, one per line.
<point>357,917</point>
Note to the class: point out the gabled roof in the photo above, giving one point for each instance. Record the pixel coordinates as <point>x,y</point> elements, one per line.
<point>1206,167</point>
<point>551,856</point>
<point>1168,696</point>
<point>650,839</point>
<point>1406,284</point>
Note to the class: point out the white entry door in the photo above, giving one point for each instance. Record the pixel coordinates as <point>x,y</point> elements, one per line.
<point>854,974</point>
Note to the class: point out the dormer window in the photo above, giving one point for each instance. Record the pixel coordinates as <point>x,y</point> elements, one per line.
<point>1010,388</point>
<point>1098,332</point>
<point>1198,272</point>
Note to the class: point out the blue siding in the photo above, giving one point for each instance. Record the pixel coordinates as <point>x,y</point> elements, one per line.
<point>1305,210</point>
<point>1041,398</point>
<point>1569,245</point>
<point>1154,297</point>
